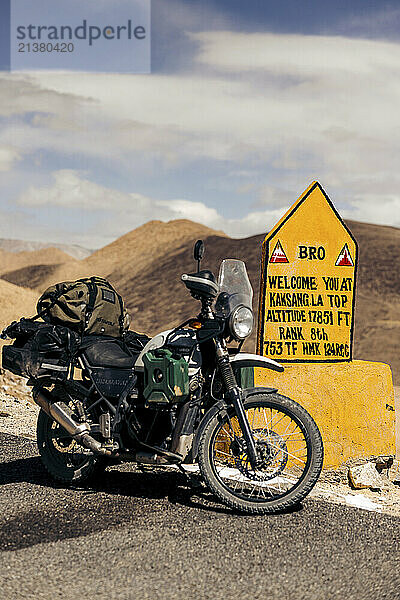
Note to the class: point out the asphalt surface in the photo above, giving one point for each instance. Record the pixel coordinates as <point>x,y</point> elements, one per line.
<point>151,536</point>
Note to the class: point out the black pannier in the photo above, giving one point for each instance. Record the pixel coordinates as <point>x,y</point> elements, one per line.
<point>40,350</point>
<point>45,352</point>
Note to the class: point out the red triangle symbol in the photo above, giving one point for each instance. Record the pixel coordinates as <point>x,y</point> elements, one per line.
<point>344,259</point>
<point>278,255</point>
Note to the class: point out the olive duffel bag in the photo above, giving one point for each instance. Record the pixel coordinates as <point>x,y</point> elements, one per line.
<point>89,306</point>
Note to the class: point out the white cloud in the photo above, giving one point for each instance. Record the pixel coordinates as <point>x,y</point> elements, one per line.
<point>293,102</point>
<point>385,211</point>
<point>71,191</point>
<point>8,156</point>
<point>296,107</point>
<point>21,94</point>
<point>195,211</point>
<point>253,223</point>
<point>293,54</point>
<point>273,196</point>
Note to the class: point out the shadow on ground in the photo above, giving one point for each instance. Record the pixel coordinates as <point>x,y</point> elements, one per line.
<point>119,496</point>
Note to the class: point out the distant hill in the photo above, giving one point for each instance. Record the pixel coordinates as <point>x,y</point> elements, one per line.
<point>146,247</point>
<point>122,259</point>
<point>12,261</point>
<point>73,250</point>
<point>15,302</point>
<point>146,264</point>
<point>157,299</point>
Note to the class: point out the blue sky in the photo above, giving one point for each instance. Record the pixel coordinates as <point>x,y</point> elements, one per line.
<point>247,103</point>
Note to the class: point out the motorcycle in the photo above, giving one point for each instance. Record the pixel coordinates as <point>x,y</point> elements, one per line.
<point>184,399</point>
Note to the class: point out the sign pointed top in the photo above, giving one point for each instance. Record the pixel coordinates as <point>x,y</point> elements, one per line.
<point>316,195</point>
<point>308,284</point>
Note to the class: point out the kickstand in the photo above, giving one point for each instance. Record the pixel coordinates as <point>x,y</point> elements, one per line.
<point>193,480</point>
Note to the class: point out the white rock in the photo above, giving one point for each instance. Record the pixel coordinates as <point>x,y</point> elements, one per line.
<point>361,501</point>
<point>366,476</point>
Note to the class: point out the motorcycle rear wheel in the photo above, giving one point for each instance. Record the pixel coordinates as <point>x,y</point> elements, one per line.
<point>64,459</point>
<point>288,442</point>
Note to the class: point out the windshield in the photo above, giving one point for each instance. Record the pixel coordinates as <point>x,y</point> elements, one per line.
<point>234,281</point>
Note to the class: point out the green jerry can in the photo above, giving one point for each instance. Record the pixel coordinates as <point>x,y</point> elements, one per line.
<point>166,379</point>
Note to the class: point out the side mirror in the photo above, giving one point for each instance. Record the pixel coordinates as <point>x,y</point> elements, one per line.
<point>198,252</point>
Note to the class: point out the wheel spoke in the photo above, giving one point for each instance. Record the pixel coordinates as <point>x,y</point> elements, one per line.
<point>288,453</point>
<point>281,444</point>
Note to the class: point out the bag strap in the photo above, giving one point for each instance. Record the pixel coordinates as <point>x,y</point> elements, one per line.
<point>93,283</point>
<point>54,297</point>
<point>64,308</point>
<point>121,316</point>
<point>92,287</point>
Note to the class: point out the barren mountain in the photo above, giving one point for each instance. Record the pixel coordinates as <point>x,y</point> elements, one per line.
<point>13,261</point>
<point>122,259</point>
<point>146,247</point>
<point>15,302</point>
<point>379,261</point>
<point>145,265</point>
<point>157,299</point>
<point>32,276</point>
<point>377,317</point>
<point>9,245</point>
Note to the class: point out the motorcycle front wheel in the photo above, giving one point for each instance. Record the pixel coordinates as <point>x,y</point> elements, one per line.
<point>289,447</point>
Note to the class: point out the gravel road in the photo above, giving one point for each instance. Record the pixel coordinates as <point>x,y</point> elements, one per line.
<point>149,536</point>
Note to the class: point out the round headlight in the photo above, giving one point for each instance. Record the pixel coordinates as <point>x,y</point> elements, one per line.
<point>241,322</point>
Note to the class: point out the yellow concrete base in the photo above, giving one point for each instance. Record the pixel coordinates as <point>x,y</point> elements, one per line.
<point>352,404</point>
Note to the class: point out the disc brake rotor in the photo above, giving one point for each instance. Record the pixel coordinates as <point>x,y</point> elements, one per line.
<point>61,440</point>
<point>271,450</point>
<point>63,443</point>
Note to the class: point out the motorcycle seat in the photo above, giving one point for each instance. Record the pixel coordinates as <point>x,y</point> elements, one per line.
<point>107,353</point>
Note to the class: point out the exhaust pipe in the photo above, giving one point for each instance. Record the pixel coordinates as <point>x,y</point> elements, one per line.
<point>79,431</point>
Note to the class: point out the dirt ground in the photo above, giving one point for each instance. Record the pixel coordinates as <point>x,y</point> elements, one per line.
<point>397,409</point>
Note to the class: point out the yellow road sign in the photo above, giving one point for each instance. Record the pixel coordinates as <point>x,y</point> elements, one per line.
<point>307,293</point>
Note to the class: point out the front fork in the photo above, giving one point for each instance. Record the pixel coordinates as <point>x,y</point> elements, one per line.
<point>234,396</point>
